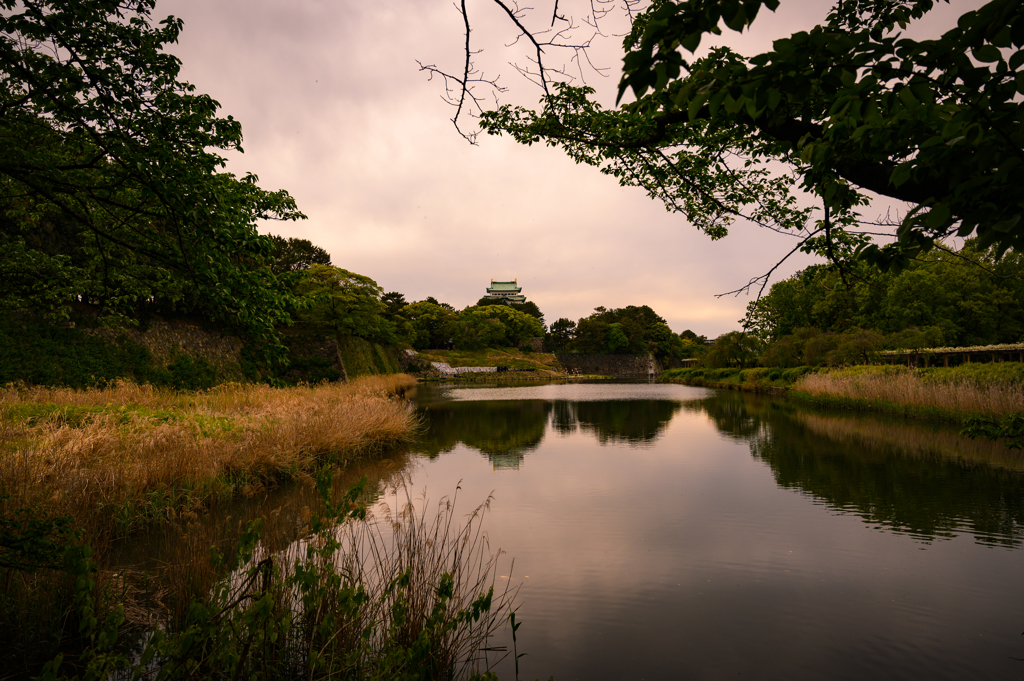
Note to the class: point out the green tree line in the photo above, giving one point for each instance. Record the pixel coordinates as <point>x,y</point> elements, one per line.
<point>631,330</point>
<point>826,315</point>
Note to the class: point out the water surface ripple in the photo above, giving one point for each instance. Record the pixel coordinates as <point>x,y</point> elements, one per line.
<point>661,531</point>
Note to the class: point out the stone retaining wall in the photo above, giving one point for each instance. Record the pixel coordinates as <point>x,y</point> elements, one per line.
<point>167,340</point>
<point>619,366</point>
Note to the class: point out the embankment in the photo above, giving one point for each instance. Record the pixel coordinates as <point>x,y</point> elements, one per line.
<point>178,353</point>
<point>988,391</point>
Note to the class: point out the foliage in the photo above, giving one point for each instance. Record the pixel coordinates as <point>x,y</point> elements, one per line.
<point>394,301</point>
<point>529,307</point>
<point>40,353</point>
<point>851,107</point>
<point>1010,429</point>
<point>111,189</point>
<point>732,349</point>
<point>431,325</point>
<point>434,301</point>
<point>494,326</point>
<point>633,330</point>
<point>561,334</point>
<point>960,298</point>
<point>418,610</point>
<point>292,255</point>
<point>349,302</point>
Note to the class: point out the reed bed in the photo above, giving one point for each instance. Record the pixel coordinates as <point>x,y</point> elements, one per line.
<point>954,395</point>
<point>411,594</point>
<point>124,455</point>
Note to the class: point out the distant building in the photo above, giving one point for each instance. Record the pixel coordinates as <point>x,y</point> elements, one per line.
<point>509,291</point>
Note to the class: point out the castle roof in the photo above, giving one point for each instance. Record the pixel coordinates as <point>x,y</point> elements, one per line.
<point>504,286</point>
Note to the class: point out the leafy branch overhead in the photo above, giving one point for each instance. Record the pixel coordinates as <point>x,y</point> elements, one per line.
<point>112,189</point>
<point>848,110</point>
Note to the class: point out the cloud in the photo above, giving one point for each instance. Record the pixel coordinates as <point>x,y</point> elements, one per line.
<point>335,110</point>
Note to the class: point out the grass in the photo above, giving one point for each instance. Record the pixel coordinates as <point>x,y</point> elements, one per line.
<point>122,456</point>
<point>80,469</point>
<point>757,378</point>
<point>545,364</point>
<point>407,594</point>
<point>987,391</point>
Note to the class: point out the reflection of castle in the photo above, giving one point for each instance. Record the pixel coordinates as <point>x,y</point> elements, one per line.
<point>506,461</point>
<point>509,291</point>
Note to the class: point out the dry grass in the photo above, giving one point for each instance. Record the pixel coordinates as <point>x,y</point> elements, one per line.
<point>128,453</point>
<point>905,387</point>
<point>420,570</point>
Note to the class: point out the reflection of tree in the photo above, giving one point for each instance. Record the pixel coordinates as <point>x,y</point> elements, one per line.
<point>738,415</point>
<point>504,431</point>
<point>630,421</point>
<point>881,481</point>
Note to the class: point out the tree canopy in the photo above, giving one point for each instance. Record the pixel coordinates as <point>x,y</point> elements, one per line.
<point>633,330</point>
<point>847,110</point>
<point>112,187</point>
<point>348,302</point>
<point>294,255</point>
<point>955,298</point>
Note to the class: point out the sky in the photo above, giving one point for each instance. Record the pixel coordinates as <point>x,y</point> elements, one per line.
<point>335,110</point>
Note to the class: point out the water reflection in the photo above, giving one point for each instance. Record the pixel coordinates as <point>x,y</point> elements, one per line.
<point>906,477</point>
<point>920,479</point>
<point>506,430</point>
<point>503,431</point>
<point>666,531</point>
<point>631,422</point>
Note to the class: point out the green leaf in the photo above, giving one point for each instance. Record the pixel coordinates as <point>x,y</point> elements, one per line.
<point>987,53</point>
<point>908,99</point>
<point>695,106</point>
<point>901,174</point>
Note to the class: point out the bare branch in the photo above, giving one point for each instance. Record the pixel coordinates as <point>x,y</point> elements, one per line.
<point>766,277</point>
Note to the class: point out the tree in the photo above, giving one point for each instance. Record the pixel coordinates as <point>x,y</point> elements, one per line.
<point>432,325</point>
<point>394,301</point>
<point>433,301</point>
<point>732,349</point>
<point>959,297</point>
<point>491,326</point>
<point>349,302</point>
<point>561,335</point>
<point>103,148</point>
<point>293,255</point>
<point>852,107</point>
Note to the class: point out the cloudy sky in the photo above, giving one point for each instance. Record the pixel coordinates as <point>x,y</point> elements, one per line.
<point>335,110</point>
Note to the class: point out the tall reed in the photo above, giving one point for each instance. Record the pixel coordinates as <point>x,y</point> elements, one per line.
<point>118,457</point>
<point>958,396</point>
<point>409,595</point>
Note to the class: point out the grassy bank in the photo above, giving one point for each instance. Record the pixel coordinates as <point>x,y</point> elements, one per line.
<point>989,391</point>
<point>80,470</point>
<point>119,457</point>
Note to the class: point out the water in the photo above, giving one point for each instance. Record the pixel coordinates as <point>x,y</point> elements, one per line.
<point>662,531</point>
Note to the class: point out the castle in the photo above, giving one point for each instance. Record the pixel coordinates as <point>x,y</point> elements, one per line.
<point>509,291</point>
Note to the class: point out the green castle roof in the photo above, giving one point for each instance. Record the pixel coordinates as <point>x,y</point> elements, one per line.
<point>503,286</point>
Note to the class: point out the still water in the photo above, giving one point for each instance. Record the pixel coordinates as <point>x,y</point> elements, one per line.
<point>662,531</point>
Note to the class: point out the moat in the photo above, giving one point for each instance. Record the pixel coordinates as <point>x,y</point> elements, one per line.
<point>662,531</point>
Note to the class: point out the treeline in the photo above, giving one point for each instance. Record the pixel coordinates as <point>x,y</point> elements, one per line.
<point>631,330</point>
<point>824,315</point>
<point>354,305</point>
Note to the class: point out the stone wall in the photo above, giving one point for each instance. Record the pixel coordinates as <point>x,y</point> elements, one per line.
<point>168,340</point>
<point>618,366</point>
